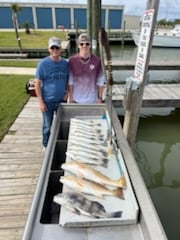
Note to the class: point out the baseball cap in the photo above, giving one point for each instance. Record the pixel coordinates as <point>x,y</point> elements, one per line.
<point>83,37</point>
<point>54,41</point>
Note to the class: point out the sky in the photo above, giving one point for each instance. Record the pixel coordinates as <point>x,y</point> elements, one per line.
<point>168,9</point>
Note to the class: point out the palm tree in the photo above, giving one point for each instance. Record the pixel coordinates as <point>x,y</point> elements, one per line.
<point>27,27</point>
<point>15,9</point>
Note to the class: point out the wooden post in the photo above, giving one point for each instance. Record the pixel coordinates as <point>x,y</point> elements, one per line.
<point>89,18</point>
<point>133,99</point>
<point>96,24</point>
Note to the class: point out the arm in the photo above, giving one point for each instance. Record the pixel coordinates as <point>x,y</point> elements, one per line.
<point>42,105</point>
<point>100,86</point>
<point>70,87</point>
<point>70,90</point>
<point>100,94</point>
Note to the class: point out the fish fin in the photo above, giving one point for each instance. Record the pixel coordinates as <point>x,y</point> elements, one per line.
<point>72,209</point>
<point>76,211</point>
<point>118,192</point>
<point>105,162</point>
<point>122,182</point>
<point>114,214</point>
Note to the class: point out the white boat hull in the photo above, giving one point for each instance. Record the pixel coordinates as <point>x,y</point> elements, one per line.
<point>160,40</point>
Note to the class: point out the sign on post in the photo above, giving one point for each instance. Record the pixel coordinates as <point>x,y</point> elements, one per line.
<point>143,47</point>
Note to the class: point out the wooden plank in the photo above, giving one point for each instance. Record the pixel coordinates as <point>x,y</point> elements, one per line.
<point>14,199</point>
<point>20,167</point>
<point>21,140</point>
<point>19,174</point>
<point>14,221</point>
<point>155,95</point>
<point>10,210</point>
<point>19,147</point>
<point>21,155</point>
<point>16,190</point>
<point>22,181</point>
<point>11,234</point>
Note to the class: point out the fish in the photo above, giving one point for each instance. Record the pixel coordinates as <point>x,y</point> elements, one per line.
<point>87,140</point>
<point>100,148</point>
<point>89,187</point>
<point>87,172</point>
<point>89,123</point>
<point>87,128</point>
<point>87,133</point>
<point>89,151</point>
<point>92,138</point>
<point>84,157</point>
<point>79,204</point>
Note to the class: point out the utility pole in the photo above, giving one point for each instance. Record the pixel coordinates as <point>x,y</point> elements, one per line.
<point>135,85</point>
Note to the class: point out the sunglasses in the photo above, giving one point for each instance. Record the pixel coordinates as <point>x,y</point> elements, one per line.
<point>55,47</point>
<point>84,44</point>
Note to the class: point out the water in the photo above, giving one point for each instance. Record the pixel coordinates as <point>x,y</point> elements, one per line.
<point>158,156</point>
<point>157,149</point>
<point>158,54</point>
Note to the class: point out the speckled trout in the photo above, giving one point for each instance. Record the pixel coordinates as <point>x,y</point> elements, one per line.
<point>89,187</point>
<point>84,171</point>
<point>79,204</point>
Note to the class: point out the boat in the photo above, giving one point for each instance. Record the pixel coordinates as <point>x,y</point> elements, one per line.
<point>47,220</point>
<point>169,39</point>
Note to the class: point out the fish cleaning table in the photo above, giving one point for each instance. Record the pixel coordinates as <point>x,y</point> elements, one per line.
<point>114,170</point>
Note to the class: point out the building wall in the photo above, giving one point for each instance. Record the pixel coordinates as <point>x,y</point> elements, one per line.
<point>26,16</point>
<point>52,16</point>
<point>63,17</point>
<point>131,22</point>
<point>5,17</point>
<point>80,18</point>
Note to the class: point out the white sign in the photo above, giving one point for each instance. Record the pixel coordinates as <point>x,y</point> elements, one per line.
<point>143,47</point>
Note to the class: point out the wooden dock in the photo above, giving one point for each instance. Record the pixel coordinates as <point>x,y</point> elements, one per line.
<point>13,53</point>
<point>155,95</point>
<point>21,156</point>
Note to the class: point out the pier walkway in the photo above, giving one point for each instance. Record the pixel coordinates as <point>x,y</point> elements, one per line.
<point>21,157</point>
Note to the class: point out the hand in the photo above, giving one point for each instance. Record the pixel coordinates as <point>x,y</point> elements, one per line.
<point>43,106</point>
<point>99,100</point>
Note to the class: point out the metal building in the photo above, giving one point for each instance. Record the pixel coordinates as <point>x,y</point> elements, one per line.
<point>53,14</point>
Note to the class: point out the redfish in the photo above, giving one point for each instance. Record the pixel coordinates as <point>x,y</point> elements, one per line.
<point>84,171</point>
<point>89,187</point>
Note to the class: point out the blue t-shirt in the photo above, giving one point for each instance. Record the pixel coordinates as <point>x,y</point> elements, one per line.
<point>54,77</point>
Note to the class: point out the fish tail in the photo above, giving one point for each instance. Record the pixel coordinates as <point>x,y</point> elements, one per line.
<point>117,214</point>
<point>118,192</point>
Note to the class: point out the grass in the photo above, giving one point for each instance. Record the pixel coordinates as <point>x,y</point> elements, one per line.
<point>12,99</point>
<point>19,63</point>
<point>37,39</point>
<point>12,87</point>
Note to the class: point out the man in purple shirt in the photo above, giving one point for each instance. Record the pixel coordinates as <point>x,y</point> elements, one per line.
<point>86,78</point>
